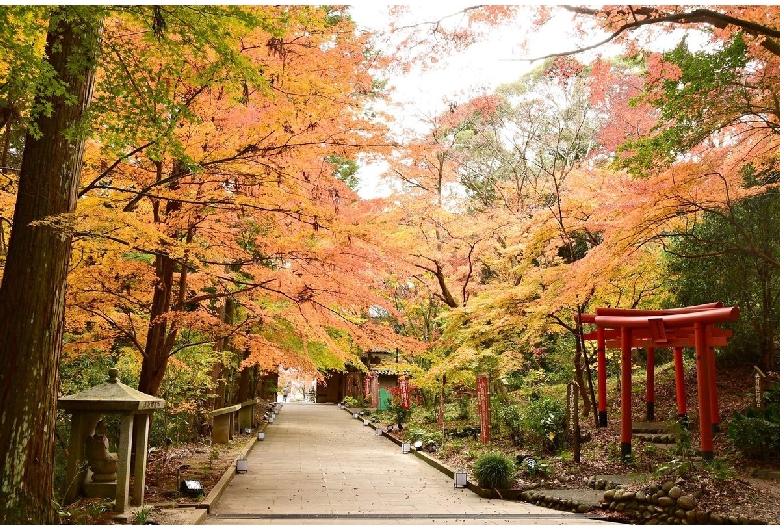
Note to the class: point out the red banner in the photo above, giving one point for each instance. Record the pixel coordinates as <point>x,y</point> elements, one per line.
<point>366,385</point>
<point>483,400</point>
<point>404,384</point>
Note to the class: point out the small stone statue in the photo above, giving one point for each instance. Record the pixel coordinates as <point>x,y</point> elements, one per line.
<point>102,463</point>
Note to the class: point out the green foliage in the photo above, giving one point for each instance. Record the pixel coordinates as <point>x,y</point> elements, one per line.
<point>452,446</point>
<point>397,412</point>
<point>143,515</point>
<point>345,170</point>
<point>494,470</point>
<point>429,437</point>
<point>464,407</point>
<point>544,423</point>
<point>186,388</point>
<point>350,402</point>
<point>755,436</point>
<point>691,107</point>
<point>511,416</point>
<point>731,257</point>
<point>756,432</point>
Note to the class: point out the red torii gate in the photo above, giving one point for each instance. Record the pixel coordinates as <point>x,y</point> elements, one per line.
<point>678,328</point>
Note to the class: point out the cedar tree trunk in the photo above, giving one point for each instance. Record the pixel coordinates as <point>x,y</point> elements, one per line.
<point>32,294</point>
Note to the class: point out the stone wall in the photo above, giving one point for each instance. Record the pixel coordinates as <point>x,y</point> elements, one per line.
<point>656,504</point>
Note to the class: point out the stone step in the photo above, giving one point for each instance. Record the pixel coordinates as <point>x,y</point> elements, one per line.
<point>656,438</point>
<point>650,427</point>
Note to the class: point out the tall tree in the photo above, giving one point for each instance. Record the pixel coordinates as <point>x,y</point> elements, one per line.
<point>32,294</point>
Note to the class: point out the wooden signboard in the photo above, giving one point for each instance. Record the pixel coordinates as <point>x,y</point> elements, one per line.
<point>573,417</point>
<point>483,401</point>
<point>374,389</point>
<point>441,403</point>
<point>759,391</point>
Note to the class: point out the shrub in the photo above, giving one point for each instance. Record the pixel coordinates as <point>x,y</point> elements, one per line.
<point>511,416</point>
<point>494,470</point>
<point>755,437</point>
<point>544,419</point>
<point>351,402</point>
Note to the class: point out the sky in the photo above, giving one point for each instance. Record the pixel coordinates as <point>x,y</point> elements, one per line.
<point>496,60</point>
<point>482,68</point>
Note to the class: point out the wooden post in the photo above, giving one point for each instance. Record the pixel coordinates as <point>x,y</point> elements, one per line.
<point>759,392</point>
<point>650,392</point>
<point>573,417</point>
<point>601,354</point>
<point>483,400</point>
<point>703,387</point>
<point>625,393</point>
<point>441,402</point>
<point>714,407</point>
<point>679,385</point>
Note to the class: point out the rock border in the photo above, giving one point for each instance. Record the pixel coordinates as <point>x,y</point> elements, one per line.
<point>655,504</point>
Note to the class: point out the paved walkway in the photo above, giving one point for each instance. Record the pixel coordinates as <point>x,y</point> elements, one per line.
<point>318,465</point>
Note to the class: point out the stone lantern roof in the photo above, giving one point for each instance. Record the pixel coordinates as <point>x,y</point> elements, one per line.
<point>111,396</point>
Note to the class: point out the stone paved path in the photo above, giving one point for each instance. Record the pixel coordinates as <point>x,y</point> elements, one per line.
<point>317,465</point>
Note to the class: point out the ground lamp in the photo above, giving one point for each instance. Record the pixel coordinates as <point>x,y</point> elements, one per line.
<point>365,423</point>
<point>379,431</point>
<point>191,488</point>
<point>108,474</point>
<point>418,445</point>
<point>355,415</point>
<point>406,448</point>
<point>241,465</point>
<point>461,479</point>
<point>260,436</point>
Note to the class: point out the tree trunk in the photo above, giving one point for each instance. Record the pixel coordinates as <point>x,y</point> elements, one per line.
<point>155,359</point>
<point>32,294</point>
<point>160,340</point>
<point>244,383</point>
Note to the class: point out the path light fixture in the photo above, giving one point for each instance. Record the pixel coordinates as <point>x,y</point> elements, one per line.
<point>247,431</point>
<point>418,445</point>
<point>260,436</point>
<point>355,415</point>
<point>365,423</point>
<point>461,479</point>
<point>241,465</point>
<point>271,419</point>
<point>406,448</point>
<point>379,431</point>
<point>191,488</point>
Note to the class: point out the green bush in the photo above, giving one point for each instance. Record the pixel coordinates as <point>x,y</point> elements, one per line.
<point>350,402</point>
<point>755,436</point>
<point>544,420</point>
<point>428,437</point>
<point>494,470</point>
<point>756,433</point>
<point>511,417</point>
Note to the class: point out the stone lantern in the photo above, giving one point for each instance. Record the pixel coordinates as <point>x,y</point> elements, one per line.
<point>107,475</point>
